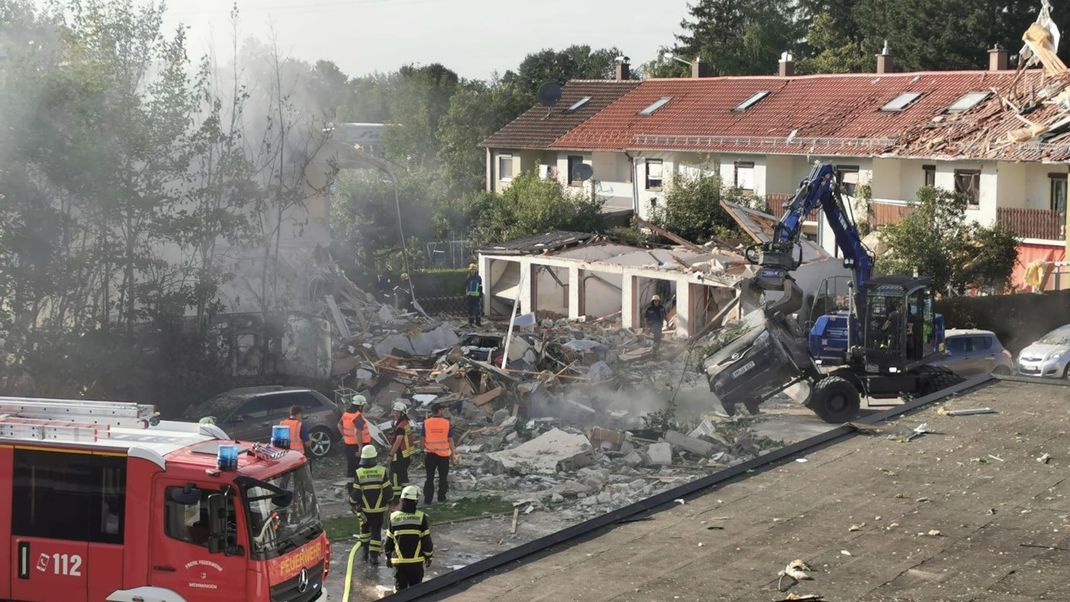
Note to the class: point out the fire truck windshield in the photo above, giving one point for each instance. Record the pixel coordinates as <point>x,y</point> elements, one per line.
<point>275,529</point>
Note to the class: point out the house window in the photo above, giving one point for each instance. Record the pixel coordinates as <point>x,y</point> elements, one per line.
<point>848,175</point>
<point>744,178</point>
<point>654,106</point>
<point>653,174</point>
<point>901,102</point>
<point>751,101</point>
<point>573,162</point>
<point>930,175</point>
<point>967,101</point>
<point>1058,191</point>
<point>968,182</point>
<point>505,167</point>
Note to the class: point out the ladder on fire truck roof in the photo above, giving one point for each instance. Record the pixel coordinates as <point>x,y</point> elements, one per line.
<point>70,420</point>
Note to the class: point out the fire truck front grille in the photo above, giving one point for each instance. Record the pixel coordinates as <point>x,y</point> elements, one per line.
<point>300,589</point>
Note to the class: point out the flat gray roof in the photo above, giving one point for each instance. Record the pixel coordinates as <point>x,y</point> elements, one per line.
<point>965,513</point>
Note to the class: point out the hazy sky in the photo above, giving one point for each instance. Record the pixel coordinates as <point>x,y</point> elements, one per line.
<point>473,37</point>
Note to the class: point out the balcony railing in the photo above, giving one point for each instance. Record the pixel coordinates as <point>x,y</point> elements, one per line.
<point>1033,223</point>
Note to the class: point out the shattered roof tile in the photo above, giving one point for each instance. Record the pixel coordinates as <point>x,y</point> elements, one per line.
<point>821,113</point>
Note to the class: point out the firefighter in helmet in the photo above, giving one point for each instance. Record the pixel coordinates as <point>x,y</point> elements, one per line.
<point>371,493</point>
<point>408,541</point>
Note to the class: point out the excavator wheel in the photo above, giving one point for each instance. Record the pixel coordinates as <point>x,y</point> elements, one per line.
<point>834,400</point>
<point>936,378</point>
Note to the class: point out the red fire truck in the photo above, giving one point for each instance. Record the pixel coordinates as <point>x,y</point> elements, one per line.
<point>104,501</point>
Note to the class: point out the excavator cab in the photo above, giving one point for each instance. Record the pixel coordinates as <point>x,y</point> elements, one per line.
<point>900,330</point>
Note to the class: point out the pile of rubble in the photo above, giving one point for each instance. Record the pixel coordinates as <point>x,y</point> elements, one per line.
<point>578,416</point>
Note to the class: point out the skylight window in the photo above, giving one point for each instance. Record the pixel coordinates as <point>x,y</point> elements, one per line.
<point>657,104</point>
<point>967,101</point>
<point>901,102</point>
<point>579,103</point>
<point>750,102</point>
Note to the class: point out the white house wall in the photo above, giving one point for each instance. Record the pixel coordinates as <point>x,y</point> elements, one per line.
<point>1003,184</point>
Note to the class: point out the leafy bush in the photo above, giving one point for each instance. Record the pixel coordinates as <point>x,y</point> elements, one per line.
<point>693,209</point>
<point>531,206</point>
<point>937,240</point>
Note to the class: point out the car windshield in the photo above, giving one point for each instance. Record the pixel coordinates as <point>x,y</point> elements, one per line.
<point>1059,336</point>
<point>275,530</point>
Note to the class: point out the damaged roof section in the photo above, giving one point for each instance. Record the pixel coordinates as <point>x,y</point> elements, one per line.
<point>539,243</point>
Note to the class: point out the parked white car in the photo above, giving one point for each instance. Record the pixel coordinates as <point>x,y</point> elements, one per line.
<point>1049,356</point>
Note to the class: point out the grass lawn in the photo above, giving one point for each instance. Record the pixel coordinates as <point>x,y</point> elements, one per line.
<point>346,526</point>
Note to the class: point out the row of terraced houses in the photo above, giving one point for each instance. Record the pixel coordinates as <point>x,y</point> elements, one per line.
<point>893,132</point>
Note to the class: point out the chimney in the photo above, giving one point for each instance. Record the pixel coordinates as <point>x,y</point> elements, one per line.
<point>884,60</point>
<point>623,69</point>
<point>787,65</point>
<point>997,59</point>
<point>700,68</point>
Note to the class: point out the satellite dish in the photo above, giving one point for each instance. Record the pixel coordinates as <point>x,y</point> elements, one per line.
<point>549,94</point>
<point>582,172</point>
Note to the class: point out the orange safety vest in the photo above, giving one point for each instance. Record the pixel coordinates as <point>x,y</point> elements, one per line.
<point>350,436</point>
<point>437,436</point>
<point>296,443</point>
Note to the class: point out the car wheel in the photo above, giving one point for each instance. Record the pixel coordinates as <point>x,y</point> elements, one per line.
<point>319,442</point>
<point>1002,371</point>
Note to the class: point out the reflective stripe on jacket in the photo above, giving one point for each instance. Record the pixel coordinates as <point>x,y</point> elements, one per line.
<point>355,429</point>
<point>403,429</point>
<point>472,284</point>
<point>408,540</point>
<point>437,436</point>
<point>374,487</point>
<point>296,443</point>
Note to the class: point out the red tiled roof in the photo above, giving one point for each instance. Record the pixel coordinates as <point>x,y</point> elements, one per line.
<point>538,128</point>
<point>824,114</point>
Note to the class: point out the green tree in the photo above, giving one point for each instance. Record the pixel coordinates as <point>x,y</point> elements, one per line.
<point>739,37</point>
<point>419,102</point>
<point>937,240</point>
<point>574,62</point>
<point>693,209</point>
<point>843,35</point>
<point>531,206</point>
<point>475,113</point>
<point>364,218</point>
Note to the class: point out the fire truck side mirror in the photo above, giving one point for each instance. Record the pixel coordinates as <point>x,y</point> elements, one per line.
<point>217,523</point>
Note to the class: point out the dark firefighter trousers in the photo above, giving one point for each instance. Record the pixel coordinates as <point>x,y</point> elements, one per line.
<point>407,575</point>
<point>371,532</point>
<point>399,473</point>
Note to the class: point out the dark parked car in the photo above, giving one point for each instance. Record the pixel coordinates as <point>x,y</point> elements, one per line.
<point>250,412</point>
<point>975,352</point>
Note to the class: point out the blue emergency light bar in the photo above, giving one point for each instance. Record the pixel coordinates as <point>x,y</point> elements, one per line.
<point>227,458</point>
<point>280,436</point>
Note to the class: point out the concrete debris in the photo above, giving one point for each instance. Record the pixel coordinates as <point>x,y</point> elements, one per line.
<point>689,444</point>
<point>659,454</point>
<point>578,417</point>
<point>1044,458</point>
<point>797,571</point>
<point>547,454</point>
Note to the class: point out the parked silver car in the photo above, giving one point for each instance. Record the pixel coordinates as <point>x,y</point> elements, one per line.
<point>1049,356</point>
<point>974,352</point>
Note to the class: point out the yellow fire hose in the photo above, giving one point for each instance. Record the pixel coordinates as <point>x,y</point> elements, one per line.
<point>352,557</point>
<point>349,570</point>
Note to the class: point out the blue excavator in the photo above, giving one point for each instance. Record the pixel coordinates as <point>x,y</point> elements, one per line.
<point>881,345</point>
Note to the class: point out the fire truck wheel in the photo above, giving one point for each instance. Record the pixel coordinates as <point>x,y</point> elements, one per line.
<point>319,442</point>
